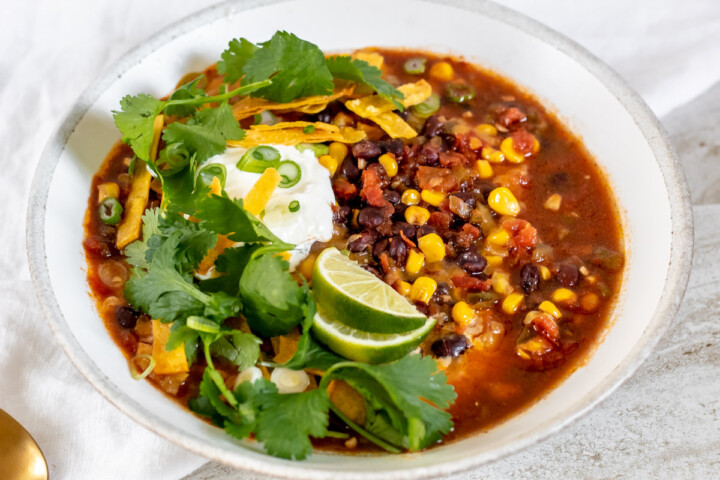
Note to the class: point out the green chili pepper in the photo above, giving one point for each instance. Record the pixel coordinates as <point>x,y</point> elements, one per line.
<point>110,211</point>
<point>308,129</point>
<point>415,66</point>
<point>257,159</point>
<point>294,206</point>
<point>428,107</point>
<point>460,92</point>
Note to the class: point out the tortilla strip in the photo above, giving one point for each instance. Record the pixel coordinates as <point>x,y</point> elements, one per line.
<point>295,135</point>
<point>249,106</point>
<point>327,127</point>
<point>374,59</point>
<point>166,362</point>
<point>393,125</point>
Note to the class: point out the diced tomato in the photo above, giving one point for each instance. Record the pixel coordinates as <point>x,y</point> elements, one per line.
<point>448,159</point>
<point>547,327</point>
<point>433,178</point>
<point>471,230</point>
<point>523,142</point>
<point>344,189</point>
<point>372,190</point>
<point>440,221</point>
<point>471,283</point>
<point>511,116</point>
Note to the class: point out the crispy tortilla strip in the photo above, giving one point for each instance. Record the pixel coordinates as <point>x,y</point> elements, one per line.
<point>222,241</point>
<point>295,135</point>
<point>371,105</point>
<point>373,58</point>
<point>348,400</point>
<point>249,106</point>
<point>166,363</point>
<point>393,125</point>
<point>260,193</point>
<point>129,229</point>
<point>285,346</point>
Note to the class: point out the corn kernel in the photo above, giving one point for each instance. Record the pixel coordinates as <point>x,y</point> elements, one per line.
<point>508,149</point>
<point>403,288</point>
<point>494,261</point>
<point>486,129</point>
<point>328,162</point>
<point>415,261</point>
<point>423,289</point>
<point>432,197</point>
<point>415,215</point>
<point>545,273</point>
<point>504,202</point>
<point>591,279</point>
<point>484,169</point>
<point>388,162</point>
<point>338,151</point>
<point>501,283</point>
<point>553,202</point>
<point>499,237</point>
<point>108,190</point>
<point>355,213</point>
<point>564,295</point>
<point>550,308</point>
<point>410,197</point>
<point>492,155</point>
<point>512,302</point>
<point>432,246</point>
<point>462,313</point>
<point>342,119</point>
<point>442,71</point>
<point>590,302</point>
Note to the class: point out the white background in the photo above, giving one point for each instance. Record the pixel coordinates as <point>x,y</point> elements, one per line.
<point>51,50</point>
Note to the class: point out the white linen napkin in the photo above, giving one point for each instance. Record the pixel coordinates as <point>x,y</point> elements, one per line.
<point>52,50</point>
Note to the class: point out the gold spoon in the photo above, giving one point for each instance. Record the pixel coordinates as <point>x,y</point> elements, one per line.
<point>20,456</point>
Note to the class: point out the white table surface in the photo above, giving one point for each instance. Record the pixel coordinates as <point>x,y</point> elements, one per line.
<point>663,423</point>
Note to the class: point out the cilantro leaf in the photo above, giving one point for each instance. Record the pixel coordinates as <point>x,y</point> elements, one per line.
<point>135,252</point>
<point>242,349</point>
<point>222,215</point>
<point>234,59</point>
<point>185,92</point>
<point>297,69</point>
<point>172,306</point>
<point>222,120</point>
<point>135,122</point>
<point>286,422</point>
<point>347,68</point>
<point>182,334</point>
<point>271,298</point>
<point>231,262</point>
<point>197,139</point>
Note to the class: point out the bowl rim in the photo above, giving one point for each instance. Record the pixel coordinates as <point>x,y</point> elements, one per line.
<point>681,248</point>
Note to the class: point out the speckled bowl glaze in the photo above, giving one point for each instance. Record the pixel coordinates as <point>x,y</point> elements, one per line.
<point>617,128</point>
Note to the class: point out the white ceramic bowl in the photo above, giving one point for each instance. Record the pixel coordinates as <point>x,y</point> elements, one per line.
<point>617,127</point>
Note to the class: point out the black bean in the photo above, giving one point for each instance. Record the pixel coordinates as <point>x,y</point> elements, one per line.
<point>398,249</point>
<point>568,274</point>
<point>380,247</point>
<point>407,229</point>
<point>370,217</point>
<point>341,215</point>
<point>366,149</point>
<point>126,316</point>
<point>425,230</point>
<point>372,270</point>
<point>394,146</point>
<point>448,138</point>
<point>529,278</point>
<point>392,196</point>
<point>442,293</point>
<point>399,213</point>
<point>452,345</point>
<point>432,126</point>
<point>361,241</point>
<point>429,154</point>
<point>467,197</point>
<point>482,189</point>
<point>472,262</point>
<point>350,170</point>
<point>422,308</point>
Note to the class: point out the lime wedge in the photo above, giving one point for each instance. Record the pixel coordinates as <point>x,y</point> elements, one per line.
<point>357,298</point>
<point>365,346</point>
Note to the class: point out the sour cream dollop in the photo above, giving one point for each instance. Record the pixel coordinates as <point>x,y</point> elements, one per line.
<point>312,222</point>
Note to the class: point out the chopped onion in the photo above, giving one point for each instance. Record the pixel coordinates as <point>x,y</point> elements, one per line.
<point>113,273</point>
<point>250,374</point>
<point>290,381</point>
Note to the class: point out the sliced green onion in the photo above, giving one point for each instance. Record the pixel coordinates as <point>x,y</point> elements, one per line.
<point>259,158</point>
<point>428,107</point>
<point>460,92</point>
<point>265,117</point>
<point>202,324</point>
<point>318,148</point>
<point>110,211</point>
<point>308,129</point>
<point>294,206</point>
<point>133,370</point>
<point>290,173</point>
<point>415,66</point>
<point>208,172</point>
